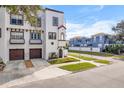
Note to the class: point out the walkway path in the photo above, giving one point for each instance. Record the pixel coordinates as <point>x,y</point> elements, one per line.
<point>102,57</point>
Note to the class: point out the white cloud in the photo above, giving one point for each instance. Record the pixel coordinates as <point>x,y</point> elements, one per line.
<point>88,30</point>
<point>91,9</point>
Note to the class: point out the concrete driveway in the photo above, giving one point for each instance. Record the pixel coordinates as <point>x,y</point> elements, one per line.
<point>17,69</point>
<point>104,77</point>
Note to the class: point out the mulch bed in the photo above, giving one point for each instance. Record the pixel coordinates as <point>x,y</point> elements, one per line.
<point>28,64</point>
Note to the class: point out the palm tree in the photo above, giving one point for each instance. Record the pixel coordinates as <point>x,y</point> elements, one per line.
<point>30,11</point>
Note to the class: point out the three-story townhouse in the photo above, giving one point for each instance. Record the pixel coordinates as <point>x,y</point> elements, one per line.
<point>21,41</point>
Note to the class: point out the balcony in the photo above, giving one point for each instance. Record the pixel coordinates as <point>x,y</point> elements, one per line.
<point>35,41</point>
<point>16,41</point>
<point>62,42</point>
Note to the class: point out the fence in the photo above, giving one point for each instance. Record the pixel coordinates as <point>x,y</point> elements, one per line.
<point>89,49</point>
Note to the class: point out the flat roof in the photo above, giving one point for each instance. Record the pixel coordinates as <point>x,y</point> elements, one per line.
<point>54,10</point>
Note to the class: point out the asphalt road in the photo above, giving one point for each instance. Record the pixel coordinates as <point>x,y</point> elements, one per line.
<point>100,77</point>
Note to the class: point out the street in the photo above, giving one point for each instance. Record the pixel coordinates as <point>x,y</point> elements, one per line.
<point>100,77</point>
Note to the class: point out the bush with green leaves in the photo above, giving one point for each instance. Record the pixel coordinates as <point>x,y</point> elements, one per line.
<point>2,65</point>
<point>115,48</point>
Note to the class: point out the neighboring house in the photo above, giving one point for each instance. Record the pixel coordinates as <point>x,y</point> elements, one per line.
<point>76,41</point>
<point>21,41</point>
<point>101,40</point>
<point>80,41</point>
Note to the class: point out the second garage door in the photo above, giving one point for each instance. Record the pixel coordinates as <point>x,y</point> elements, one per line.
<point>35,53</point>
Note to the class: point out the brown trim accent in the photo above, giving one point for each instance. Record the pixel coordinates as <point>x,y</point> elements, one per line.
<point>61,40</point>
<point>54,10</point>
<point>61,27</point>
<point>0,32</point>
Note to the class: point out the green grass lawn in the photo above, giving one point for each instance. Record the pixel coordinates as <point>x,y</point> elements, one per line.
<point>119,57</point>
<point>63,60</point>
<point>102,61</point>
<point>93,53</point>
<point>90,59</point>
<point>78,67</point>
<point>83,57</point>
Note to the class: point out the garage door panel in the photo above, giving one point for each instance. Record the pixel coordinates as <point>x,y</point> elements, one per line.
<point>16,54</point>
<point>35,53</point>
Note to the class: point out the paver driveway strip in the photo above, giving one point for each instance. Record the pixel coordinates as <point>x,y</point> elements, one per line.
<point>105,76</point>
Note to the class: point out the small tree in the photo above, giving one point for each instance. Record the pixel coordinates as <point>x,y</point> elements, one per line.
<point>115,48</point>
<point>30,11</point>
<point>119,30</point>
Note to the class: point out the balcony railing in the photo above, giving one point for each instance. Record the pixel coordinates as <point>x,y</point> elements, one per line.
<point>35,41</point>
<point>16,41</point>
<point>62,42</point>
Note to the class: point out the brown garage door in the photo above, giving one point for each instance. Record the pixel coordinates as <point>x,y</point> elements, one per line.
<point>16,54</point>
<point>35,53</point>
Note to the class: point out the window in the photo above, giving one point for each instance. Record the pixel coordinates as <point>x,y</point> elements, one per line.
<point>55,21</point>
<point>52,35</point>
<point>62,36</point>
<point>0,33</point>
<point>35,35</point>
<point>17,35</point>
<point>101,38</point>
<point>16,19</point>
<point>38,23</point>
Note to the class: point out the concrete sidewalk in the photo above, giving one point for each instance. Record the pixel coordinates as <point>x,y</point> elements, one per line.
<point>102,58</point>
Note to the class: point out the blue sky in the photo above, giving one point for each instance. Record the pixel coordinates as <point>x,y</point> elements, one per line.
<point>86,20</point>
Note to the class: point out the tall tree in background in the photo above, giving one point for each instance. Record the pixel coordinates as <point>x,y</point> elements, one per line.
<point>119,30</point>
<point>30,11</point>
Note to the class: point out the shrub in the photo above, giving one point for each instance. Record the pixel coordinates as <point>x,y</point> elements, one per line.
<point>2,65</point>
<point>115,48</point>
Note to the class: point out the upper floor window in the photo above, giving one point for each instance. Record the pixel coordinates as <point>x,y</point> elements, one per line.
<point>55,21</point>
<point>38,23</point>
<point>52,35</point>
<point>101,38</point>
<point>17,35</point>
<point>16,19</point>
<point>0,33</point>
<point>35,35</point>
<point>62,36</point>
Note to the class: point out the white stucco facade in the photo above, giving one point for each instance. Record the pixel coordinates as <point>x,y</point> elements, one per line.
<point>48,45</point>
